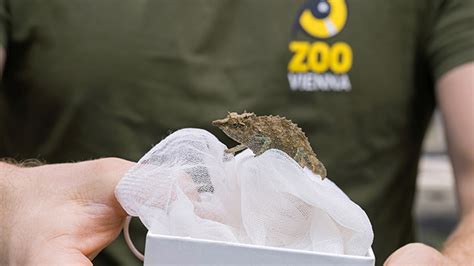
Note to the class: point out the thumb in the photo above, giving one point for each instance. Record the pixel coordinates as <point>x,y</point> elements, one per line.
<point>102,190</point>
<point>416,254</point>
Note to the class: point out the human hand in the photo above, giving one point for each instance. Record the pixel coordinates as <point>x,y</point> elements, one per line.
<point>62,214</point>
<point>418,254</point>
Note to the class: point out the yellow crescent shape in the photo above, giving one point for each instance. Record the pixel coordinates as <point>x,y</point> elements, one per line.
<point>329,26</point>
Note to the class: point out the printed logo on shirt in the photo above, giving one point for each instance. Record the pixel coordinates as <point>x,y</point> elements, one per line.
<point>319,65</point>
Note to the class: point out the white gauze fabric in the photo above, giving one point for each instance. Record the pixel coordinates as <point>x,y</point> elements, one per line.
<point>188,186</point>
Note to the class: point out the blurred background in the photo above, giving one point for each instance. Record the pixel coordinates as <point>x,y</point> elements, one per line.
<point>436,205</point>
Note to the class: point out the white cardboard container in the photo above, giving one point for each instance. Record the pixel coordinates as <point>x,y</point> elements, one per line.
<point>171,250</point>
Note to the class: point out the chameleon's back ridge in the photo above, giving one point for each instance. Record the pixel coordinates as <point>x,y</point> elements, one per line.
<point>261,133</point>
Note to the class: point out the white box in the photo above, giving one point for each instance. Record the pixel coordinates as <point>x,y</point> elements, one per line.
<point>170,250</point>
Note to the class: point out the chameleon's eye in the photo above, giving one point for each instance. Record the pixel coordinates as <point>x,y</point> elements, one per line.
<point>237,125</point>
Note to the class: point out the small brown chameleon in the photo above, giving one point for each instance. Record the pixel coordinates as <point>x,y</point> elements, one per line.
<point>261,133</point>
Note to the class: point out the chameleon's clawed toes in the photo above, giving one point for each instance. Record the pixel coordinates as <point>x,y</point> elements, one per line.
<point>236,149</point>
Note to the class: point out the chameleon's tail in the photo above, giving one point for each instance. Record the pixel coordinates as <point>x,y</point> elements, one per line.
<point>310,161</point>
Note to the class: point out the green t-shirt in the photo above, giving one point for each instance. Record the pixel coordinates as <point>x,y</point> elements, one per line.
<point>87,79</point>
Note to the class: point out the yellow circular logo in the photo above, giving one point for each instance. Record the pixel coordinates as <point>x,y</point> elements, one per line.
<point>323,18</point>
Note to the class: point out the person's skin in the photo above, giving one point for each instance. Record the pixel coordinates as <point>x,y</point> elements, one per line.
<point>455,94</point>
<point>67,213</point>
<point>59,214</point>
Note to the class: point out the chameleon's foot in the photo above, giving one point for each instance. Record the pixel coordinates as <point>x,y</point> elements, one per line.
<point>235,149</point>
<point>264,142</point>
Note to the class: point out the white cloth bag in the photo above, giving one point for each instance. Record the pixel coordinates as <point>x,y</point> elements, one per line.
<point>188,186</point>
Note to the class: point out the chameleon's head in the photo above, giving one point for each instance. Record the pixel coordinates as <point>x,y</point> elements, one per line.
<point>236,125</point>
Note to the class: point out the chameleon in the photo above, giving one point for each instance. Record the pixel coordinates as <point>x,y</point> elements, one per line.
<point>261,133</point>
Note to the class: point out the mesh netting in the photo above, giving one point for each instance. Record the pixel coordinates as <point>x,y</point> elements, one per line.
<point>188,186</point>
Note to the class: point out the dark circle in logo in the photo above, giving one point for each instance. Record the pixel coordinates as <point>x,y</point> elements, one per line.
<point>320,8</point>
